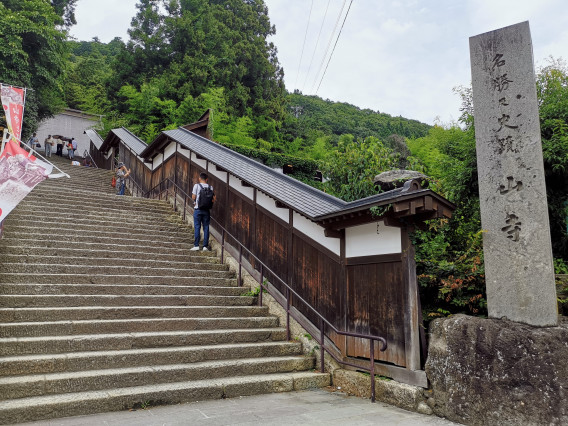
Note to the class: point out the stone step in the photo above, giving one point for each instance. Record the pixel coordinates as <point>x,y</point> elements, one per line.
<point>118,289</point>
<point>76,232</point>
<point>78,180</point>
<point>134,271</point>
<point>171,221</point>
<point>61,383</point>
<point>45,407</point>
<point>22,223</point>
<point>101,261</point>
<point>43,278</point>
<point>48,300</point>
<point>132,325</point>
<point>88,202</point>
<point>99,187</point>
<point>122,242</point>
<point>12,314</point>
<point>20,365</point>
<point>53,193</point>
<point>10,346</point>
<point>108,209</point>
<point>111,219</point>
<point>134,254</point>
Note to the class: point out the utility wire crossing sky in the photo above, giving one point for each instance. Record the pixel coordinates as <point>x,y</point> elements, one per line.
<point>401,57</point>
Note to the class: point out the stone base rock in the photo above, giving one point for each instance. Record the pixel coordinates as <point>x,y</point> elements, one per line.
<point>498,372</point>
<point>401,395</point>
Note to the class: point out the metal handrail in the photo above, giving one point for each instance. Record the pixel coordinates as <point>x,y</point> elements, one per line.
<point>92,159</point>
<point>323,322</point>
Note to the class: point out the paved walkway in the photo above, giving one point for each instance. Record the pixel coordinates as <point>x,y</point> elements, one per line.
<point>311,407</point>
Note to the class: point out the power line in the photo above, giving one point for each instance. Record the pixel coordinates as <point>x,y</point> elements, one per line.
<point>336,40</point>
<point>316,47</point>
<point>328,44</point>
<point>303,45</point>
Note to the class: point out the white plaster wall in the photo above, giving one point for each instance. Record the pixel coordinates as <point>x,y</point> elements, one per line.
<point>68,126</point>
<point>235,183</point>
<point>363,240</point>
<point>158,159</point>
<point>222,176</point>
<point>270,204</point>
<point>170,150</point>
<point>183,151</point>
<point>202,163</point>
<point>316,233</point>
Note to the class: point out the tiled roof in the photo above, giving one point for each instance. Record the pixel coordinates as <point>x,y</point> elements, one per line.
<point>297,195</point>
<point>136,144</point>
<point>94,137</point>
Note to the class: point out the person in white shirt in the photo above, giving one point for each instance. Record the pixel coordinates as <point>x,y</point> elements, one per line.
<point>204,198</point>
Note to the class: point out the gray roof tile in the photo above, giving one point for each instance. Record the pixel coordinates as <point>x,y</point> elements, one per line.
<point>136,144</point>
<point>94,137</point>
<point>301,197</point>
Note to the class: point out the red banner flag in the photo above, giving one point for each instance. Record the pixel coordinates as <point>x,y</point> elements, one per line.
<point>13,99</point>
<point>19,174</point>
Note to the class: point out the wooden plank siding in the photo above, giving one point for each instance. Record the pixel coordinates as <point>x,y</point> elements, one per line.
<point>375,293</point>
<point>366,295</point>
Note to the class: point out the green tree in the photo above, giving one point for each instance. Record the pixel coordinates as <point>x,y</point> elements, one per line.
<point>32,53</point>
<point>353,166</point>
<point>188,46</point>
<point>552,91</point>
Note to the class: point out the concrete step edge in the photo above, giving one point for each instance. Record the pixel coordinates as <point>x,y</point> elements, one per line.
<point>35,408</point>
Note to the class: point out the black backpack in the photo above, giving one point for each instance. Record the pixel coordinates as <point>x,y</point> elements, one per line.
<point>205,198</point>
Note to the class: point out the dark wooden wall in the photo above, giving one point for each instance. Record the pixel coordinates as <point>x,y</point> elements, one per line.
<point>363,295</point>
<point>99,158</point>
<point>376,295</point>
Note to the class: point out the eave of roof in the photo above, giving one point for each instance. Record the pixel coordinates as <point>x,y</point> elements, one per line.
<point>136,144</point>
<point>94,137</point>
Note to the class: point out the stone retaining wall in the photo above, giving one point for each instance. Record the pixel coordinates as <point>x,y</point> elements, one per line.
<point>498,372</point>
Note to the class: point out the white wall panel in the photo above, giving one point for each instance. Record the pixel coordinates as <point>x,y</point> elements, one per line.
<point>247,191</point>
<point>158,159</point>
<point>217,173</point>
<point>202,163</point>
<point>372,239</point>
<point>170,150</point>
<point>316,233</point>
<point>183,151</point>
<point>270,204</point>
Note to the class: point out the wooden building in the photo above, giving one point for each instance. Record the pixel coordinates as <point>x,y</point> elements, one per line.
<point>354,267</point>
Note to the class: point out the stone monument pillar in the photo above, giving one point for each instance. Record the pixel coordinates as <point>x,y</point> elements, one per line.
<point>512,194</point>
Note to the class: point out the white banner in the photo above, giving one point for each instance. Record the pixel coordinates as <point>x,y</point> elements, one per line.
<point>20,172</point>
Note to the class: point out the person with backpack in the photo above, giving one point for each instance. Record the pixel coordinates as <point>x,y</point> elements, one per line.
<point>204,198</point>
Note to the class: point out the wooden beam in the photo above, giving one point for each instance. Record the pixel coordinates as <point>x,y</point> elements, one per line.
<point>220,169</point>
<point>246,184</point>
<point>332,233</point>
<point>401,206</point>
<point>280,205</point>
<point>392,221</point>
<point>199,157</point>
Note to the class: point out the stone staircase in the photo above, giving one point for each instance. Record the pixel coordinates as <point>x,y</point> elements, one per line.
<point>103,308</point>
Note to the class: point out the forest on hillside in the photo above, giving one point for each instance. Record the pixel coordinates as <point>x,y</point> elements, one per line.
<point>186,56</point>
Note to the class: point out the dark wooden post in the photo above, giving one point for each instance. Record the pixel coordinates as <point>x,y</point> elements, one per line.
<point>343,283</point>
<point>411,313</point>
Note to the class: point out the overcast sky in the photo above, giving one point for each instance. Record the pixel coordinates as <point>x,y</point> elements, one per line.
<point>400,57</point>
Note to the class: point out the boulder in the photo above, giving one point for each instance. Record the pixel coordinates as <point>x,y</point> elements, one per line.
<point>490,371</point>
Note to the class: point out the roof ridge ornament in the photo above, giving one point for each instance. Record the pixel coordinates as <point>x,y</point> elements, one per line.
<point>412,185</point>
